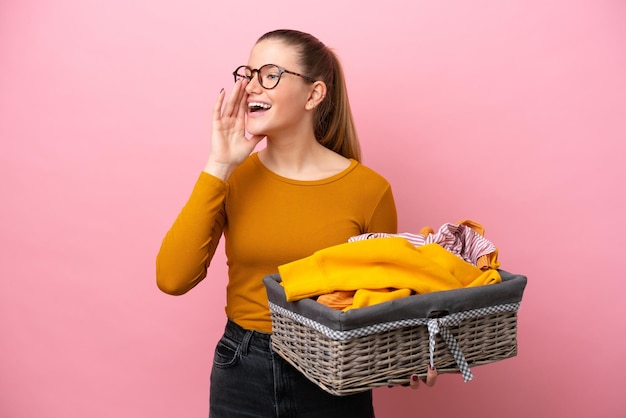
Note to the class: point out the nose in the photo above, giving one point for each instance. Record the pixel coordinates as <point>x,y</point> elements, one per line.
<point>253,85</point>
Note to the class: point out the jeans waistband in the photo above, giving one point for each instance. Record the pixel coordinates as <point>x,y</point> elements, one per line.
<point>254,338</point>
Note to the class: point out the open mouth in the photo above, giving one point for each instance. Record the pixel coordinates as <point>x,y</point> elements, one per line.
<point>258,106</point>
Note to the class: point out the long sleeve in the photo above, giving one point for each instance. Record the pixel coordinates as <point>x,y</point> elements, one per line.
<point>189,245</point>
<point>267,220</point>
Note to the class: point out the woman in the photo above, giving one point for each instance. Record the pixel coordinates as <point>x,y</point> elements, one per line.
<point>305,191</point>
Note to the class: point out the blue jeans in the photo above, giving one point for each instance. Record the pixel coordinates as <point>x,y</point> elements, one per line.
<point>248,379</point>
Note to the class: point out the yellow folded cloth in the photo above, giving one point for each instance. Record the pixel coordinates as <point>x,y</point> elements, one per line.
<point>340,299</point>
<point>378,264</point>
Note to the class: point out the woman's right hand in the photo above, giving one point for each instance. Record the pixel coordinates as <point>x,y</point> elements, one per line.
<point>229,144</point>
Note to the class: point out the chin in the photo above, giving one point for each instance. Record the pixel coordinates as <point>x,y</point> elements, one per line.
<point>256,130</point>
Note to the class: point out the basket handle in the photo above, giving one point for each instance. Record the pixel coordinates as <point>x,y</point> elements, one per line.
<point>438,313</point>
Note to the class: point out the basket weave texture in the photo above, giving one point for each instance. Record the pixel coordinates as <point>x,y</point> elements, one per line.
<point>345,354</point>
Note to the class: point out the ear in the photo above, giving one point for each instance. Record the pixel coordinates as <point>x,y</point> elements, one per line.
<point>317,94</point>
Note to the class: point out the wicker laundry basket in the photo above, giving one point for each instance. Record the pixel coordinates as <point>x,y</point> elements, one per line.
<point>382,345</point>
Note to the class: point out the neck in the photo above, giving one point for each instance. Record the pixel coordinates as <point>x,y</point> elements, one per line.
<point>301,159</point>
<point>290,155</point>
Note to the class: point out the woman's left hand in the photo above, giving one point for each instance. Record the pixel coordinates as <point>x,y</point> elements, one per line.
<point>431,378</point>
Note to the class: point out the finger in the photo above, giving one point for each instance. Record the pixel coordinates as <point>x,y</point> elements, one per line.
<point>242,100</point>
<point>431,377</point>
<point>232,104</point>
<point>415,381</point>
<point>217,108</point>
<point>243,94</point>
<point>239,93</point>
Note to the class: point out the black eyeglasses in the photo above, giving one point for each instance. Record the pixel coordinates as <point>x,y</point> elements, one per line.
<point>269,75</point>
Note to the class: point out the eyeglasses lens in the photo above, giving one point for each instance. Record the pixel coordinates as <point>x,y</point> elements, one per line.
<point>268,75</point>
<point>243,73</point>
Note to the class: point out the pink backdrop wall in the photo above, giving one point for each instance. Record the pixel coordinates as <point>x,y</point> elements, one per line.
<point>510,113</point>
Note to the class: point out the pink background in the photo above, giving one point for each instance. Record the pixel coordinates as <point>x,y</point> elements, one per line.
<point>509,113</point>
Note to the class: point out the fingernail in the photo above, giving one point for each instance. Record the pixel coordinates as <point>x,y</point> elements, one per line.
<point>414,378</point>
<point>222,90</point>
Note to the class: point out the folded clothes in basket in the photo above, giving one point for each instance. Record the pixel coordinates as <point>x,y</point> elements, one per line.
<point>381,263</point>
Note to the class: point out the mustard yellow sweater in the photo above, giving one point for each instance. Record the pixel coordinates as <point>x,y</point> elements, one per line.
<point>377,264</point>
<point>267,220</point>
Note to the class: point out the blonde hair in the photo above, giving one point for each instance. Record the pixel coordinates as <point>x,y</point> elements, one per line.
<point>333,125</point>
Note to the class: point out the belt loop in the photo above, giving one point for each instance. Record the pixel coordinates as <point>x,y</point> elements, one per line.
<point>245,342</point>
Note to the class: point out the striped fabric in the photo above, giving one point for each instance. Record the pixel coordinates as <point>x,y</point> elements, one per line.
<point>458,239</point>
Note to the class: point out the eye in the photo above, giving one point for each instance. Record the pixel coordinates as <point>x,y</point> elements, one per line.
<point>272,76</point>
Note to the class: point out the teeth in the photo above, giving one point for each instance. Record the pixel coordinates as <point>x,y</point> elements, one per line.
<point>258,104</point>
